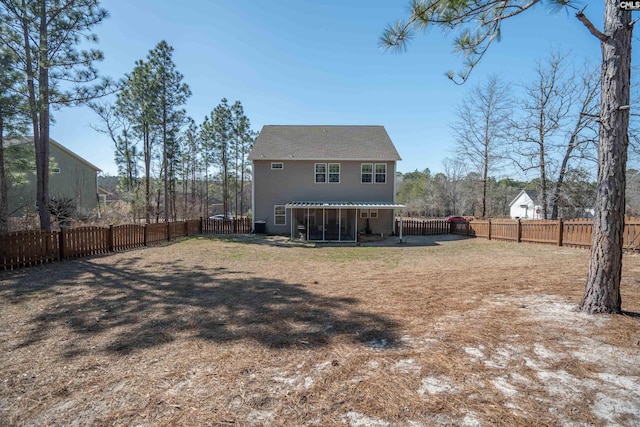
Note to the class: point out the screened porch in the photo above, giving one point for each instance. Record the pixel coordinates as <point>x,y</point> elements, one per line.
<point>335,221</point>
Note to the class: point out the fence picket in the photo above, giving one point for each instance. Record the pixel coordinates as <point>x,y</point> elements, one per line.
<point>33,247</point>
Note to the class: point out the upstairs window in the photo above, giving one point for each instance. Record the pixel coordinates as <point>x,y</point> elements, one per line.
<point>334,173</point>
<point>366,173</point>
<point>321,173</point>
<point>277,166</point>
<point>327,172</point>
<point>381,173</point>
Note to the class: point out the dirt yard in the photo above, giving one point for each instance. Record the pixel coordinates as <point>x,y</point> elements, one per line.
<point>255,331</point>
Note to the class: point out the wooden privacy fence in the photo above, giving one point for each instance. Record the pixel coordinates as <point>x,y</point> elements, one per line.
<point>572,233</point>
<point>227,226</point>
<point>26,248</point>
<point>423,227</point>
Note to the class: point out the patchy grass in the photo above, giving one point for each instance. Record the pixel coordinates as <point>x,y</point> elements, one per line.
<point>239,331</point>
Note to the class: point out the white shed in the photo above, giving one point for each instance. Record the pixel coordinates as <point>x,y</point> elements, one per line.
<point>526,205</point>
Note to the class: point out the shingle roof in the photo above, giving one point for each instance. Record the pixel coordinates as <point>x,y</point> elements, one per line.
<point>533,195</point>
<point>323,143</point>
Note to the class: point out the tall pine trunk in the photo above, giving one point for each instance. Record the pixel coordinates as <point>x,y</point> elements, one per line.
<point>165,155</point>
<point>242,170</point>
<point>36,110</point>
<point>225,181</point>
<point>602,293</point>
<point>147,173</point>
<point>206,190</point>
<point>42,142</point>
<point>4,186</point>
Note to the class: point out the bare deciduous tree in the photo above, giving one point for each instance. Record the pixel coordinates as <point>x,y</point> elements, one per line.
<point>580,139</point>
<point>455,171</point>
<point>547,109</point>
<point>481,130</point>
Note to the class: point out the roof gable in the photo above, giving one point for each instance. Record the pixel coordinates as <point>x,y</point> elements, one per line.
<point>282,142</point>
<point>26,140</point>
<point>532,194</point>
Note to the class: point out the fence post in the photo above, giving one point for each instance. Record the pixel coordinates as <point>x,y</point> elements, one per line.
<point>61,243</point>
<point>186,228</point>
<point>560,232</point>
<point>519,231</point>
<point>168,230</point>
<point>111,238</point>
<point>489,233</point>
<point>201,226</point>
<point>146,234</point>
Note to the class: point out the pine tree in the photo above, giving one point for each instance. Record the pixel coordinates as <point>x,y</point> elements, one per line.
<point>217,135</point>
<point>171,96</point>
<point>44,35</point>
<point>136,103</point>
<point>190,164</point>
<point>241,143</point>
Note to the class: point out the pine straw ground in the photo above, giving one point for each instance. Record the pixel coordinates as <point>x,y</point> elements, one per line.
<point>253,331</point>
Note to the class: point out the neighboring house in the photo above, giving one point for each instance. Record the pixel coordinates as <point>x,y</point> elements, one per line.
<point>324,183</point>
<point>216,206</point>
<point>70,176</point>
<point>526,206</point>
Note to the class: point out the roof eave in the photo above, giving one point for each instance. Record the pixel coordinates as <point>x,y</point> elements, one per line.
<point>342,205</point>
<point>324,159</point>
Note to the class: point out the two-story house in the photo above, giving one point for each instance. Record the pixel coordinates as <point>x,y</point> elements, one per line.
<point>324,183</point>
<point>70,176</point>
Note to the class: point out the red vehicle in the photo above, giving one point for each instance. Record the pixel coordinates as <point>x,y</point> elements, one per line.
<point>455,219</point>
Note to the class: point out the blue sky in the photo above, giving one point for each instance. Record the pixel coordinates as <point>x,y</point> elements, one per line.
<point>316,62</point>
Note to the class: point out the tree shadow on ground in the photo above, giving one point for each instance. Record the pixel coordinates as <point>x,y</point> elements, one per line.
<point>630,314</point>
<point>125,307</point>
